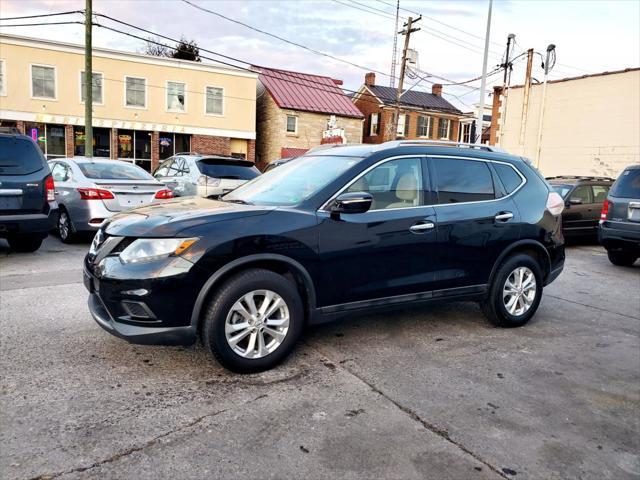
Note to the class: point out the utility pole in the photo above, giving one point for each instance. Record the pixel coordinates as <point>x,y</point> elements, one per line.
<point>505,81</point>
<point>394,56</point>
<point>409,29</point>
<point>483,83</point>
<point>551,48</point>
<point>88,82</point>
<point>525,98</point>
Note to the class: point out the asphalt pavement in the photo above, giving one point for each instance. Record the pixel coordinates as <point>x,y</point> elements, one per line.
<point>423,393</point>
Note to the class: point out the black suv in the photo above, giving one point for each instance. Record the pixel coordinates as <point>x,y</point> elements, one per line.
<point>619,230</point>
<point>335,232</point>
<point>583,198</point>
<point>27,202</point>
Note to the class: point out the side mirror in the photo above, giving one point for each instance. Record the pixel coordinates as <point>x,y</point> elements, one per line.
<point>357,202</point>
<point>575,201</point>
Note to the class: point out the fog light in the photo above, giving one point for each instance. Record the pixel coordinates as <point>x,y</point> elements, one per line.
<point>139,292</point>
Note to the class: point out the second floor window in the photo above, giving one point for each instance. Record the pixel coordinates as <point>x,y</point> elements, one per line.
<point>43,82</point>
<point>96,87</point>
<point>136,92</point>
<point>444,126</point>
<point>214,101</point>
<point>424,128</point>
<point>176,96</point>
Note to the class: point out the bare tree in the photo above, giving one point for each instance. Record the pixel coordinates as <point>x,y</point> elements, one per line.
<point>184,49</point>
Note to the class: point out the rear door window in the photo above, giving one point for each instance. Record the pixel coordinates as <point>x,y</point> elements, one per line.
<point>19,156</point>
<point>461,181</point>
<point>234,170</point>
<point>163,169</point>
<point>628,184</point>
<point>60,173</point>
<point>582,194</point>
<point>600,193</point>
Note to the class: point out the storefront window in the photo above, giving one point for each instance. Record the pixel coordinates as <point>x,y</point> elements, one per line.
<point>50,138</point>
<point>101,142</point>
<point>136,146</point>
<point>125,144</point>
<point>172,143</point>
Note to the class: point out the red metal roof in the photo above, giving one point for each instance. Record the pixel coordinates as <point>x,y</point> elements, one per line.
<point>286,152</point>
<point>309,93</point>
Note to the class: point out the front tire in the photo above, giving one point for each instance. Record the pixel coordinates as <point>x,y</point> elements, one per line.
<point>253,321</point>
<point>622,258</point>
<point>515,293</point>
<point>25,243</point>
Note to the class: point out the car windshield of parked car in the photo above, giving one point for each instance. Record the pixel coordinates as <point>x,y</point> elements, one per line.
<point>240,170</point>
<point>19,156</point>
<point>113,171</point>
<point>563,190</point>
<point>293,182</point>
<point>628,184</point>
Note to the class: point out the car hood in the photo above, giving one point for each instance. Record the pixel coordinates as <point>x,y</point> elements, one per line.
<point>169,218</point>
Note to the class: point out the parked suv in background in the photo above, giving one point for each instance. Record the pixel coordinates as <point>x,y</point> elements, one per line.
<point>28,209</point>
<point>619,230</point>
<point>583,198</point>
<point>336,232</point>
<point>204,175</point>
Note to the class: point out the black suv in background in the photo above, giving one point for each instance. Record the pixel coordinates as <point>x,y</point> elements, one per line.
<point>27,203</point>
<point>583,197</point>
<point>336,232</point>
<point>619,230</point>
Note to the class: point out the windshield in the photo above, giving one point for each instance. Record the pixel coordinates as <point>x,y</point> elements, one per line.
<point>628,184</point>
<point>227,169</point>
<point>563,190</point>
<point>293,182</point>
<point>113,171</point>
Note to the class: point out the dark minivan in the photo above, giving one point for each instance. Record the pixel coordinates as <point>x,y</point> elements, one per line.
<point>27,203</point>
<point>334,233</point>
<point>619,230</point>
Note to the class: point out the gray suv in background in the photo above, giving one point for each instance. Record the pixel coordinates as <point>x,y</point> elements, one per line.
<point>208,176</point>
<point>28,209</point>
<point>619,229</point>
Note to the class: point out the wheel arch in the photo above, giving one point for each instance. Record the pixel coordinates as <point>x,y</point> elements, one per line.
<point>530,247</point>
<point>280,264</point>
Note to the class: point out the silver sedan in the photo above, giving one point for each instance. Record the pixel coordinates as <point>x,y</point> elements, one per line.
<point>89,191</point>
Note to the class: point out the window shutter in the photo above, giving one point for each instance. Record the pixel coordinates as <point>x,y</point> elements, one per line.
<point>379,118</point>
<point>430,133</point>
<point>406,125</point>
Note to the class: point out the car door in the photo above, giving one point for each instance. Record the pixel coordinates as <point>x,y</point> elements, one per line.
<point>578,209</point>
<point>386,251</point>
<point>475,221</point>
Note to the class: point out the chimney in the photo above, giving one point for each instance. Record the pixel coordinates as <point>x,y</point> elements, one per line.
<point>436,89</point>
<point>370,79</point>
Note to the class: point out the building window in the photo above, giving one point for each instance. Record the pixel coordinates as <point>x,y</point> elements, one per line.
<point>425,126</point>
<point>101,142</point>
<point>444,125</point>
<point>374,125</point>
<point>214,101</point>
<point>96,87</point>
<point>49,137</point>
<point>292,124</point>
<point>43,82</point>
<point>465,133</point>
<point>403,125</point>
<point>135,145</point>
<point>135,92</point>
<point>176,97</point>
<point>3,78</point>
<point>173,143</point>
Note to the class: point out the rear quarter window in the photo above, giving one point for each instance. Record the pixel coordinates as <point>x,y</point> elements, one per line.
<point>228,169</point>
<point>508,176</point>
<point>628,184</point>
<point>19,156</point>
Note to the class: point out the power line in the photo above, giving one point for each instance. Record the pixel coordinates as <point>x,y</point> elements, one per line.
<point>40,24</point>
<point>42,15</point>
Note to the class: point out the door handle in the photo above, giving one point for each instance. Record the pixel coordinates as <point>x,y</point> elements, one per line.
<point>503,216</point>
<point>421,227</point>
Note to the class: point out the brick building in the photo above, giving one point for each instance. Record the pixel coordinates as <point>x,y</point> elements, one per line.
<point>298,111</point>
<point>423,115</point>
<point>145,108</point>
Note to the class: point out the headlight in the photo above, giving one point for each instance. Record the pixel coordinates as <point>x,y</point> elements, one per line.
<point>149,249</point>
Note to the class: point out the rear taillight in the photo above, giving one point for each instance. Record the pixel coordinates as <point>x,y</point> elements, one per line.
<point>50,187</point>
<point>95,194</point>
<point>605,210</point>
<point>555,203</point>
<point>164,194</point>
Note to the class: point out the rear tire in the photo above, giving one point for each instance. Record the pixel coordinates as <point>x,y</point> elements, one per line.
<point>622,258</point>
<point>25,243</point>
<point>514,295</point>
<point>267,337</point>
<point>66,232</point>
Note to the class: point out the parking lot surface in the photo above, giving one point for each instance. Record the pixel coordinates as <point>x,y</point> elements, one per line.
<point>429,392</point>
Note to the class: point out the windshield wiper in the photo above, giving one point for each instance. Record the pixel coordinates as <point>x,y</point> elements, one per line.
<point>237,200</point>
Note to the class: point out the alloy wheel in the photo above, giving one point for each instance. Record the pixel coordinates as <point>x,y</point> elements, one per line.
<point>257,324</point>
<point>63,225</point>
<point>519,291</point>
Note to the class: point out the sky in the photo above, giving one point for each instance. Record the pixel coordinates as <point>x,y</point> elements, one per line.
<point>590,35</point>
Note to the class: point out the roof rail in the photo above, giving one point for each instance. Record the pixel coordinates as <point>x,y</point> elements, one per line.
<point>187,153</point>
<point>580,177</point>
<point>438,143</point>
